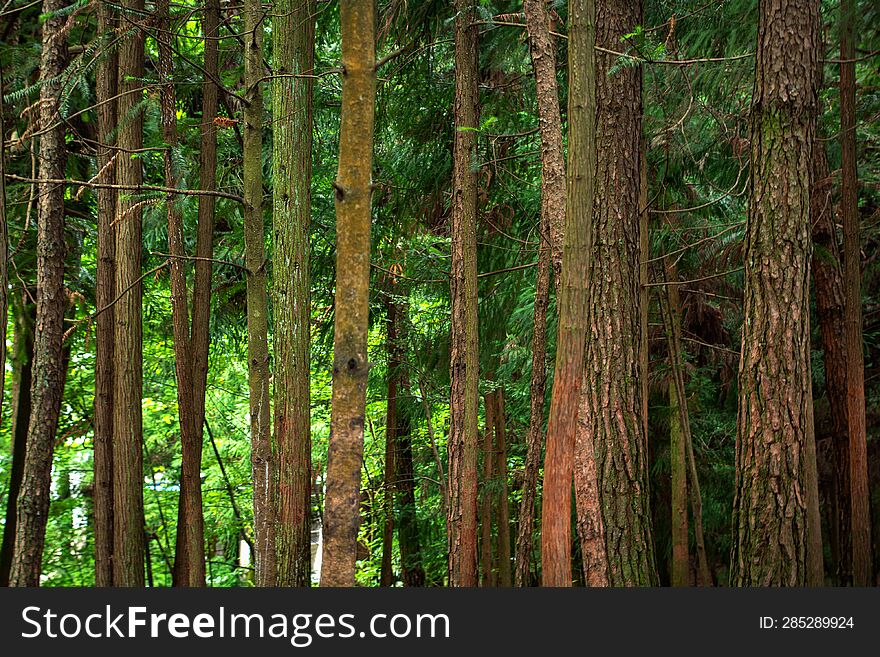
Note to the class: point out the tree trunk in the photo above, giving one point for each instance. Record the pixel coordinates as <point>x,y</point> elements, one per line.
<point>128,496</point>
<point>543,52</point>
<point>4,253</point>
<point>681,566</point>
<point>405,485</point>
<point>828,283</point>
<point>353,189</point>
<point>257,299</point>
<point>611,432</point>
<point>293,44</point>
<point>48,370</point>
<point>487,570</point>
<point>22,364</point>
<point>189,558</point>
<point>552,210</point>
<point>564,402</point>
<point>105,291</point>
<point>503,560</point>
<point>855,381</point>
<point>386,576</point>
<point>463,438</point>
<point>776,537</point>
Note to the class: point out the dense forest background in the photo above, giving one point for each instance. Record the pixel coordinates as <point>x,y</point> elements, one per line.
<point>212,183</point>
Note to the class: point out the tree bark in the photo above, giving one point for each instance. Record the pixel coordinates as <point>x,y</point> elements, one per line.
<point>4,253</point>
<point>189,558</point>
<point>611,432</point>
<point>860,514</point>
<point>487,566</point>
<point>564,401</point>
<point>828,284</point>
<point>48,368</point>
<point>386,576</point>
<point>22,363</point>
<point>350,366</point>
<point>503,559</point>
<point>552,209</point>
<point>776,539</point>
<point>293,44</point>
<point>543,53</point>
<point>681,567</point>
<point>257,299</point>
<point>105,291</point>
<point>463,438</point>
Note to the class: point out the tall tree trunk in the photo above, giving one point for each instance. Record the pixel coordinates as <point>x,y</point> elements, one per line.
<point>386,576</point>
<point>4,253</point>
<point>855,359</point>
<point>22,363</point>
<point>48,371</point>
<point>353,189</point>
<point>776,537</point>
<point>487,570</point>
<point>611,432</point>
<point>189,558</point>
<point>681,567</point>
<point>503,560</point>
<point>293,45</point>
<point>257,299</point>
<point>828,283</point>
<point>462,446</point>
<point>543,54</point>
<point>564,401</point>
<point>128,495</point>
<point>413,572</point>
<point>105,291</point>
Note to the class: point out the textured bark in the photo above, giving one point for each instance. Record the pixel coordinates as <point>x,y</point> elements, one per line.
<point>48,369</point>
<point>462,443</point>
<point>860,512</point>
<point>681,568</point>
<point>386,575</point>
<point>552,210</point>
<point>572,304</point>
<point>128,497</point>
<point>537,393</point>
<point>503,558</point>
<point>543,52</point>
<point>105,291</point>
<point>611,433</point>
<point>487,569</point>
<point>350,366</point>
<point>828,284</point>
<point>257,299</point>
<point>4,254</point>
<point>776,539</point>
<point>22,364</point>
<point>293,46</point>
<point>189,558</point>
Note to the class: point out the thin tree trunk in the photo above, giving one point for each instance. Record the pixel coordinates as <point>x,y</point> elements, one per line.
<point>353,189</point>
<point>564,402</point>
<point>855,358</point>
<point>487,570</point>
<point>257,299</point>
<point>543,52</point>
<point>503,559</point>
<point>828,283</point>
<point>611,432</point>
<point>293,44</point>
<point>463,441</point>
<point>552,209</point>
<point>776,538</point>
<point>22,363</point>
<point>128,495</point>
<point>681,568</point>
<point>4,253</point>
<point>386,576</point>
<point>189,558</point>
<point>105,291</point>
<point>683,455</point>
<point>48,368</point>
